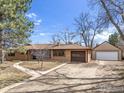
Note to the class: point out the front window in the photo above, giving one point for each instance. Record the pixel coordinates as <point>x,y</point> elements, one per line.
<point>11,54</point>
<point>34,57</point>
<point>58,52</point>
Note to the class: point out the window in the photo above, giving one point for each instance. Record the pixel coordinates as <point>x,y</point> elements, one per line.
<point>34,57</point>
<point>22,53</point>
<point>11,54</point>
<point>58,53</point>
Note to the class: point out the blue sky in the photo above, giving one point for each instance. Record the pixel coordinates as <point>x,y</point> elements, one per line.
<point>52,16</point>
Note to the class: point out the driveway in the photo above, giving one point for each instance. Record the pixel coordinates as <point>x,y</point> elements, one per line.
<point>74,78</point>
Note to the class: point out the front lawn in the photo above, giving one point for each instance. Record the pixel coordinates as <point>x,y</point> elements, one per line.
<point>35,65</point>
<point>10,75</point>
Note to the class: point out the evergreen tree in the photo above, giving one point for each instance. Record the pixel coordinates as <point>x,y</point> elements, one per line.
<point>113,39</point>
<point>15,28</point>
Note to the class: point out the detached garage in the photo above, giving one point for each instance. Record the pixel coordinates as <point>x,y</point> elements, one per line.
<point>107,52</point>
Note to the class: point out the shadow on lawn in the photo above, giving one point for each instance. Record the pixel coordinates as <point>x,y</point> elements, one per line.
<point>94,83</point>
<point>120,71</point>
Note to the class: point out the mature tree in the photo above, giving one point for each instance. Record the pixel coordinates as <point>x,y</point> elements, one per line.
<point>15,28</point>
<point>55,39</point>
<point>65,37</point>
<point>88,28</point>
<point>113,12</point>
<point>113,38</point>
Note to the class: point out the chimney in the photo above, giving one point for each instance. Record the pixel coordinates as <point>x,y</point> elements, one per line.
<point>58,44</point>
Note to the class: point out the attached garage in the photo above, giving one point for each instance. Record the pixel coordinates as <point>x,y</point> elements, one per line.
<point>78,56</point>
<point>72,53</point>
<point>107,52</point>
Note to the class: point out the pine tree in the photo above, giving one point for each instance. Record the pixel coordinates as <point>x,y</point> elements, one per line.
<point>15,28</point>
<point>113,39</point>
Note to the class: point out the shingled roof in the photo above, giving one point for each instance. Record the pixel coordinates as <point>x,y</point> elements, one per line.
<point>69,46</point>
<point>39,46</point>
<point>121,47</point>
<point>52,46</point>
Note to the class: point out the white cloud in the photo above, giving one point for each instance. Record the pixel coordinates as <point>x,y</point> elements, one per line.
<point>31,15</point>
<point>46,34</point>
<point>37,22</point>
<point>42,34</point>
<point>34,18</point>
<point>103,36</point>
<point>99,38</point>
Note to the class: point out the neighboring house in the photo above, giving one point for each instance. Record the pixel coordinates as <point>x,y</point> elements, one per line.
<point>106,51</point>
<point>121,46</point>
<point>61,52</point>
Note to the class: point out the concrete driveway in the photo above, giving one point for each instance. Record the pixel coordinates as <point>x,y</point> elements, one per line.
<point>72,78</point>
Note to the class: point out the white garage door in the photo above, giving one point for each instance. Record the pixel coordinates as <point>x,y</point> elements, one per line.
<point>107,55</point>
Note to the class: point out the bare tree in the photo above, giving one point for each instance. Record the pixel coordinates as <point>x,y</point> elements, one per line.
<point>65,37</point>
<point>113,11</point>
<point>41,55</point>
<point>88,28</point>
<point>55,39</point>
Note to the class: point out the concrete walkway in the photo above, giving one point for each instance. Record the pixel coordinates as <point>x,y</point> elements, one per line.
<point>30,72</point>
<point>34,74</point>
<point>71,78</point>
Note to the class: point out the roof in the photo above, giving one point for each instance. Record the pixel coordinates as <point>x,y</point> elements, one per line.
<point>52,46</point>
<point>69,46</point>
<point>121,47</point>
<point>38,46</point>
<point>106,46</point>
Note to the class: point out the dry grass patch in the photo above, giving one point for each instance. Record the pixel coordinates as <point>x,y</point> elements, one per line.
<point>34,65</point>
<point>10,75</point>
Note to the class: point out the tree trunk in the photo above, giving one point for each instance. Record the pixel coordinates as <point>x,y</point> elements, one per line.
<point>112,20</point>
<point>92,41</point>
<point>1,48</point>
<point>42,65</point>
<point>85,42</point>
<point>3,56</point>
